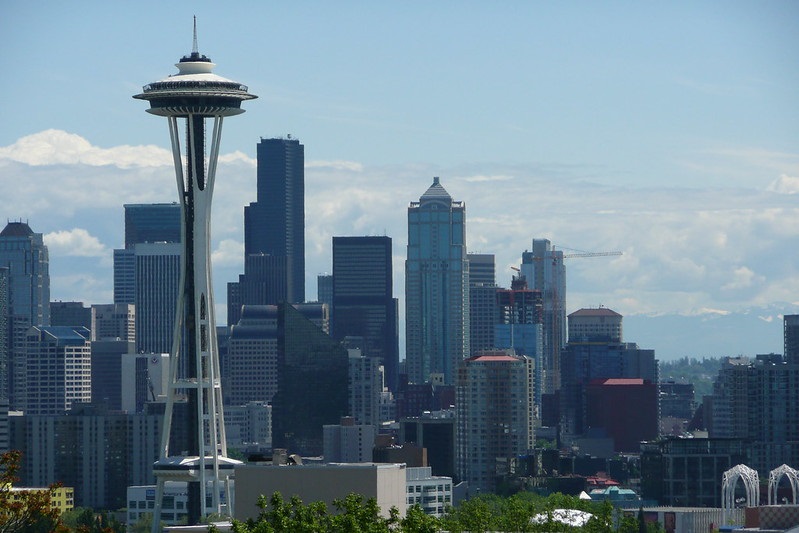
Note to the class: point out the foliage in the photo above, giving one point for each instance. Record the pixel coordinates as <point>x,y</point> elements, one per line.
<point>29,511</point>
<point>481,514</point>
<point>701,372</point>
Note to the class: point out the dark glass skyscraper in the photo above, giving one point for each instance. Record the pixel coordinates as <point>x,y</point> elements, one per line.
<point>151,223</point>
<point>312,377</point>
<point>275,223</point>
<point>363,300</point>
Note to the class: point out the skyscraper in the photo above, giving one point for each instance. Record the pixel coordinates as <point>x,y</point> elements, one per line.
<point>151,223</point>
<point>482,302</point>
<point>791,338</point>
<point>24,254</point>
<point>275,223</point>
<point>312,374</point>
<point>436,287</point>
<point>544,271</point>
<point>157,286</point>
<point>144,223</point>
<point>363,300</point>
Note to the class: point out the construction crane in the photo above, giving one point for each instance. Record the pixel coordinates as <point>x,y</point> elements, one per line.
<point>591,254</point>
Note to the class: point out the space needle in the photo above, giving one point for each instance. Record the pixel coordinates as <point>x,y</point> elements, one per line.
<point>193,95</point>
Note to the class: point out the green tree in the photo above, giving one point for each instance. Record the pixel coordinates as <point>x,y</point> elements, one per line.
<point>417,521</point>
<point>29,511</point>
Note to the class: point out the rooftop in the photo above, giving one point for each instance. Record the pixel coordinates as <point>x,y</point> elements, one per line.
<point>598,311</point>
<point>16,229</point>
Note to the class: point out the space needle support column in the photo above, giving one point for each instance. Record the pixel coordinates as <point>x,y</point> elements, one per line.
<point>195,94</point>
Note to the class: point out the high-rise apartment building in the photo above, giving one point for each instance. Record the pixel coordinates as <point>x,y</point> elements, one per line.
<point>758,401</point>
<point>495,416</point>
<point>274,224</point>
<point>436,287</point>
<point>59,369</point>
<point>544,270</point>
<point>24,254</point>
<point>312,373</point>
<point>363,299</point>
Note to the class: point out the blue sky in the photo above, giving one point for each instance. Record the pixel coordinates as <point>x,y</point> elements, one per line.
<point>668,131</point>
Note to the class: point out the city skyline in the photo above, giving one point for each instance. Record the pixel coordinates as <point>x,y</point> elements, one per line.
<point>669,131</point>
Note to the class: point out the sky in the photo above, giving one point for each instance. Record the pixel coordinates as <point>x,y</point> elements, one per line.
<point>665,131</point>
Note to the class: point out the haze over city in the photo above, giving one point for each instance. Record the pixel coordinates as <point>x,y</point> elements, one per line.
<point>666,132</point>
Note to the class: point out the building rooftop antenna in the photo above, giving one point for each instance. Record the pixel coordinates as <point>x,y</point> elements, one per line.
<point>194,49</point>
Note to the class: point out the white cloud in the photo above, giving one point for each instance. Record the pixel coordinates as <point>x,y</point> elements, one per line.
<point>678,244</point>
<point>784,185</point>
<point>350,166</point>
<point>56,147</point>
<point>228,253</point>
<point>76,242</point>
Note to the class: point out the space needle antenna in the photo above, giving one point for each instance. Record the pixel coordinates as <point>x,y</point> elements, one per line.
<point>194,49</point>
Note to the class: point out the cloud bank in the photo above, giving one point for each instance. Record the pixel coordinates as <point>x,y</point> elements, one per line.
<point>697,251</point>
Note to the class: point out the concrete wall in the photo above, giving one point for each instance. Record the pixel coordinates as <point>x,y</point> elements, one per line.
<point>328,482</point>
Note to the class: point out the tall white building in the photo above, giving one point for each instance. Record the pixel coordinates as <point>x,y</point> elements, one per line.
<point>366,386</point>
<point>495,415</point>
<point>436,287</point>
<point>59,362</point>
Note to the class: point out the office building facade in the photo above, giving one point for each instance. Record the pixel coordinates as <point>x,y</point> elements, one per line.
<point>436,287</point>
<point>363,299</point>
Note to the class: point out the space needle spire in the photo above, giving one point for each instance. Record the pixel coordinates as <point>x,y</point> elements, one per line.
<point>187,99</point>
